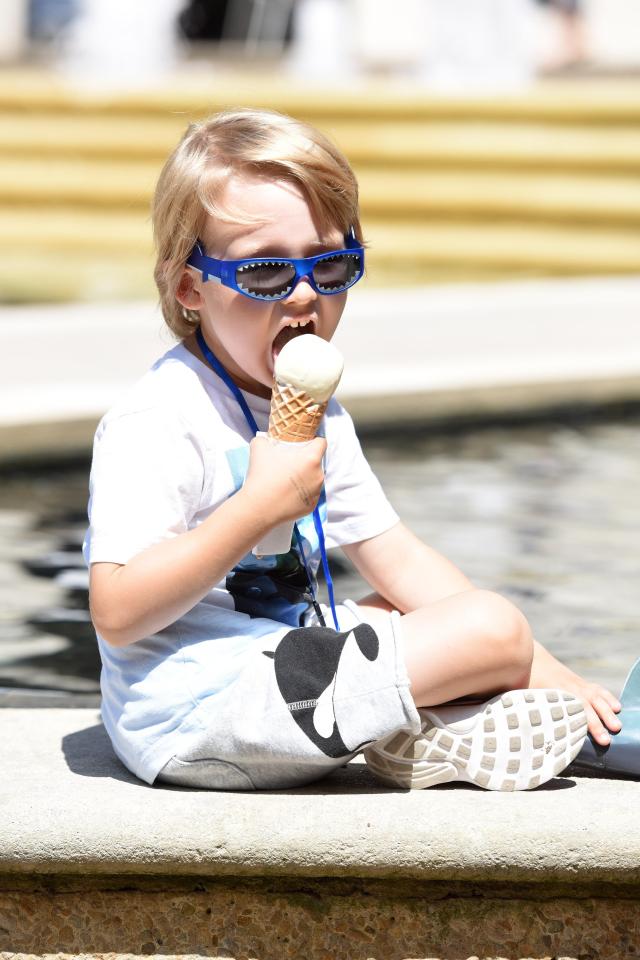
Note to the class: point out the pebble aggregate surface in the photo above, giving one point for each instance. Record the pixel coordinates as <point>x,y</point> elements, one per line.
<point>547,514</point>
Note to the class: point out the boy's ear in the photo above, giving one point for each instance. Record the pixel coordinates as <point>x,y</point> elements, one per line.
<point>188,292</point>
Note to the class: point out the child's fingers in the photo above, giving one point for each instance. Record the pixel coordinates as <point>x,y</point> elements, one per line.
<point>601,718</point>
<point>595,726</point>
<point>606,705</point>
<point>606,713</point>
<point>613,702</point>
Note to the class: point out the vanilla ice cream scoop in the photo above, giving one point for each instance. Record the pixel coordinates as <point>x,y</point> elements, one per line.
<point>311,365</point>
<point>306,372</point>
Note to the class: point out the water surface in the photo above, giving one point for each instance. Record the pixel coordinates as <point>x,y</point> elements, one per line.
<point>547,514</point>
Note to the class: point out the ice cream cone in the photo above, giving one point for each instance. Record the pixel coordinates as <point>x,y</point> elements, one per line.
<point>307,371</point>
<point>295,416</point>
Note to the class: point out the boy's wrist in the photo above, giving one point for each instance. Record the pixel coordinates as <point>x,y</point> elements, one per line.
<point>257,510</point>
<point>267,507</point>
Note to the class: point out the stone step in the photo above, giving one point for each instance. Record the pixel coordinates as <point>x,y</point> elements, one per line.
<point>84,234</point>
<point>543,183</point>
<point>463,194</point>
<point>45,276</point>
<point>511,249</point>
<point>586,101</point>
<point>384,194</point>
<point>94,863</point>
<point>487,144</point>
<point>91,183</point>
<point>408,143</point>
<point>82,255</point>
<point>74,230</point>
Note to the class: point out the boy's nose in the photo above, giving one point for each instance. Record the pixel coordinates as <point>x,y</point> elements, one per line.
<point>302,292</point>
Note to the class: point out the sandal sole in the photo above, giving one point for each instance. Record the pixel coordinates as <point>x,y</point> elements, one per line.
<point>518,741</point>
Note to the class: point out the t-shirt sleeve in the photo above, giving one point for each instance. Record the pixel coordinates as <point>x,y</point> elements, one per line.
<point>146,483</point>
<point>357,507</point>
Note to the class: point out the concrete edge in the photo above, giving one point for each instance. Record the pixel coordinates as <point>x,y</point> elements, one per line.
<point>70,808</point>
<point>71,439</point>
<point>467,352</point>
<point>561,851</point>
<point>473,404</point>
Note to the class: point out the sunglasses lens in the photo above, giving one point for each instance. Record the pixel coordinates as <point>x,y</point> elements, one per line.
<point>337,272</point>
<point>266,281</point>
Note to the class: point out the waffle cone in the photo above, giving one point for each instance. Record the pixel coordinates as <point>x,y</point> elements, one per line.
<point>295,416</point>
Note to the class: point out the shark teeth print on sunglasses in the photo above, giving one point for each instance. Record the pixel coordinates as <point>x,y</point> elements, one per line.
<point>269,281</point>
<point>336,272</point>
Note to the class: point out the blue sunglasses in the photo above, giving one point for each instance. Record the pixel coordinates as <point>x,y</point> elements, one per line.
<point>274,278</point>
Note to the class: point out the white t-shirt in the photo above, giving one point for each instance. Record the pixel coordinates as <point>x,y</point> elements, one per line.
<point>173,449</point>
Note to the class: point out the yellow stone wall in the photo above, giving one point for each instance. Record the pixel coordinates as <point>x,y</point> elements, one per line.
<point>544,184</point>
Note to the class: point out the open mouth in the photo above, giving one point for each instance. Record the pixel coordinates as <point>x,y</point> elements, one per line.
<point>289,333</point>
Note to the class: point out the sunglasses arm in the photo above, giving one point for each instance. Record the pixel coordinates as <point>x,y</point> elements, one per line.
<point>210,269</point>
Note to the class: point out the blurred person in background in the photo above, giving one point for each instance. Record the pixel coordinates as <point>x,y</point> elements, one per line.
<point>203,19</point>
<point>249,23</point>
<point>48,18</point>
<point>567,17</point>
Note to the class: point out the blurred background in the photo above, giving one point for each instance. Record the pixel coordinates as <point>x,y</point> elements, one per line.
<point>493,356</point>
<point>492,138</point>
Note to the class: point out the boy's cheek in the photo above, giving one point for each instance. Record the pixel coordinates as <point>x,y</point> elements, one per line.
<point>330,321</point>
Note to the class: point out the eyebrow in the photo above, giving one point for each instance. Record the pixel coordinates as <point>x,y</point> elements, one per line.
<point>267,250</point>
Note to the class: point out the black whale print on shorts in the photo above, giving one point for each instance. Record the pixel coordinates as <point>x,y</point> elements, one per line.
<point>306,663</point>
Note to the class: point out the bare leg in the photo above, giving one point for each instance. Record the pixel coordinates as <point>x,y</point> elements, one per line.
<point>475,642</point>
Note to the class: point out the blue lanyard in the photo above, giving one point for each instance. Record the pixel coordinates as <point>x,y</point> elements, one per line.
<point>317,522</point>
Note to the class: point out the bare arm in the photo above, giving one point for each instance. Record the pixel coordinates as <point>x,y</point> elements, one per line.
<point>404,570</point>
<point>159,585</point>
<point>156,587</point>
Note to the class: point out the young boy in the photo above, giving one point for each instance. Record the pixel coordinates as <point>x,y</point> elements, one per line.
<point>217,669</point>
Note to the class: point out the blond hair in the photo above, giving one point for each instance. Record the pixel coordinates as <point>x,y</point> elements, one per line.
<point>249,142</point>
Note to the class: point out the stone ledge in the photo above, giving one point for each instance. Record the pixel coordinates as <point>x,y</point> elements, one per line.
<point>459,352</point>
<point>95,864</point>
<point>68,807</point>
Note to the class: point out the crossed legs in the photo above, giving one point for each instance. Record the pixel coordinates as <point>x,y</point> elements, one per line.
<point>474,643</point>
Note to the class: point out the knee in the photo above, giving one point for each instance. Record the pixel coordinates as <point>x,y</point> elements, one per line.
<point>505,629</point>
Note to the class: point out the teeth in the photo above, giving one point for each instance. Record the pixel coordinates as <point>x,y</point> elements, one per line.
<point>299,323</point>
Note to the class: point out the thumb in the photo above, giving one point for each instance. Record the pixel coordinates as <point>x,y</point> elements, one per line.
<point>320,445</point>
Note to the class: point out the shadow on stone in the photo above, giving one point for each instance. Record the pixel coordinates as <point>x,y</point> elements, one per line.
<point>555,784</point>
<point>350,779</point>
<point>558,783</point>
<point>355,778</point>
<point>577,770</point>
<point>89,754</point>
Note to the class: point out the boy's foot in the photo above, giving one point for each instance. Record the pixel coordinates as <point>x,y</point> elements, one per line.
<point>515,741</point>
